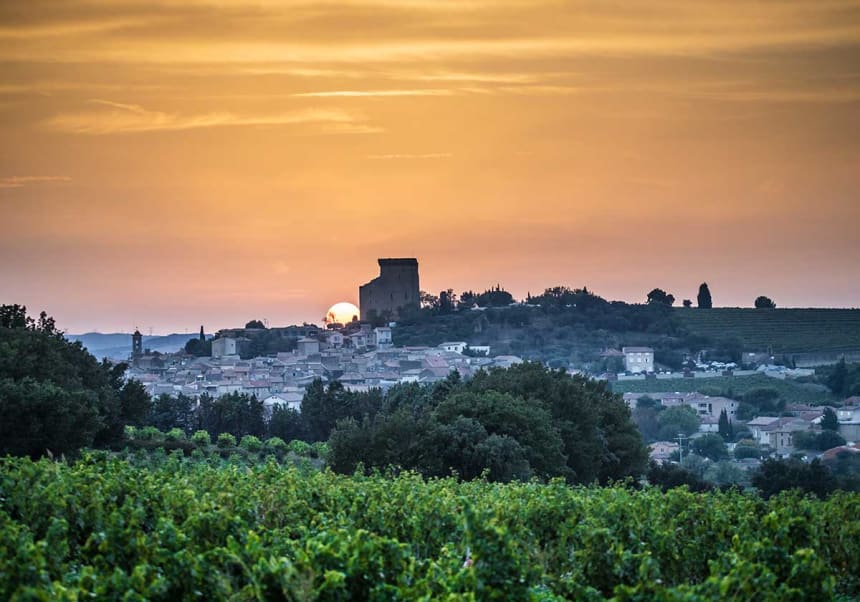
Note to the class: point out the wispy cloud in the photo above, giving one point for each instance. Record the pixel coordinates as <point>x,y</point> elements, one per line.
<point>21,181</point>
<point>410,156</point>
<point>122,118</point>
<point>365,93</point>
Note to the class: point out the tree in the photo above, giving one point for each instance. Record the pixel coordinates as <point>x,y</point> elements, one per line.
<point>762,302</point>
<point>711,446</point>
<point>724,426</point>
<point>688,303</point>
<point>704,297</point>
<point>167,412</point>
<point>667,476</point>
<point>661,297</point>
<point>256,324</point>
<point>838,377</point>
<point>678,419</point>
<point>829,420</point>
<point>776,475</point>
<point>514,423</point>
<point>55,394</point>
<point>828,440</point>
<point>287,424</point>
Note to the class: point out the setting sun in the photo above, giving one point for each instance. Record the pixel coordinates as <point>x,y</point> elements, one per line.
<point>341,313</point>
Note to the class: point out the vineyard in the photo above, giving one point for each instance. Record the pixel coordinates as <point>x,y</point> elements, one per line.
<point>778,330</point>
<point>174,528</point>
<point>732,386</point>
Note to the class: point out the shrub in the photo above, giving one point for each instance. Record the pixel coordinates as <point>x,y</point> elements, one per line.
<point>201,438</point>
<point>130,432</point>
<point>250,443</point>
<point>175,434</point>
<point>150,433</point>
<point>320,450</point>
<point>300,448</point>
<point>276,445</point>
<point>746,451</point>
<point>226,440</point>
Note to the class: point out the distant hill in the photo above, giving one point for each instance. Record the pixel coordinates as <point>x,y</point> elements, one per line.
<point>731,386</point>
<point>117,345</point>
<point>558,335</point>
<point>779,330</point>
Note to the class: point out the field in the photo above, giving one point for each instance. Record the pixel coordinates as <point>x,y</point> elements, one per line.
<point>778,330</point>
<point>183,529</point>
<point>732,386</point>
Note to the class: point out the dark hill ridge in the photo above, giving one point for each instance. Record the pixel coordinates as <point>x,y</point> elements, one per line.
<point>117,345</point>
<point>812,330</point>
<point>568,334</point>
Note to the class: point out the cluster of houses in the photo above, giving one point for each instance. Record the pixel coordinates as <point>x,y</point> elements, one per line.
<point>773,433</point>
<point>360,361</point>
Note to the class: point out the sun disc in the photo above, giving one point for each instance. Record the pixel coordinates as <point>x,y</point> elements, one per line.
<point>342,313</point>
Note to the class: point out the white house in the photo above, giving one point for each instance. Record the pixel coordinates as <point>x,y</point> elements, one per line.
<point>480,349</point>
<point>638,359</point>
<point>224,347</point>
<point>383,337</point>
<point>291,401</point>
<point>455,346</point>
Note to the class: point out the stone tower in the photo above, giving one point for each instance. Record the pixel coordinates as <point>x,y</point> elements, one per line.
<point>395,289</point>
<point>136,344</point>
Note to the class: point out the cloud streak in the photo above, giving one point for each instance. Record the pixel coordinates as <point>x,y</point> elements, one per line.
<point>395,156</point>
<point>124,118</point>
<point>22,181</point>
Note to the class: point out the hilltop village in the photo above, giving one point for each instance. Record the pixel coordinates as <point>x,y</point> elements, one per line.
<point>358,354</point>
<point>278,364</point>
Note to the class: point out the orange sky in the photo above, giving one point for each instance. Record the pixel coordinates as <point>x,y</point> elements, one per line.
<point>168,164</point>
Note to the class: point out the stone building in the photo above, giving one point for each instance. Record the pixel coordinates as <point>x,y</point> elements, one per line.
<point>395,289</point>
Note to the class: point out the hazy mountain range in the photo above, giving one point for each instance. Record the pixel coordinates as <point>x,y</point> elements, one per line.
<point>117,345</point>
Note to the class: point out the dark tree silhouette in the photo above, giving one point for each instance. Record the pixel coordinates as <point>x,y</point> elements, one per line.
<point>704,296</point>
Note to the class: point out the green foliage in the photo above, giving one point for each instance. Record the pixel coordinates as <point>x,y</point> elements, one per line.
<point>743,451</point>
<point>235,413</point>
<point>729,386</point>
<point>820,441</point>
<point>724,426</point>
<point>150,433</point>
<point>275,445</point>
<point>711,446</point>
<point>251,443</point>
<point>300,448</point>
<point>677,420</point>
<point>829,420</point>
<point>225,440</point>
<point>781,330</point>
<point>180,529</point>
<point>323,406</point>
<point>776,475</point>
<point>201,438</point>
<point>199,348</point>
<point>54,396</point>
<point>506,424</point>
<point>841,378</point>
<point>174,434</point>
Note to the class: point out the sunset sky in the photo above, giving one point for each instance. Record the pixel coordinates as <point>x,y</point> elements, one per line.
<point>171,164</point>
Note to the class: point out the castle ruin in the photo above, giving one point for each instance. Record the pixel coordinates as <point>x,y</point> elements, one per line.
<point>395,289</point>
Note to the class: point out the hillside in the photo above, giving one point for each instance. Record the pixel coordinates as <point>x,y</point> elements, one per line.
<point>730,386</point>
<point>562,334</point>
<point>778,330</point>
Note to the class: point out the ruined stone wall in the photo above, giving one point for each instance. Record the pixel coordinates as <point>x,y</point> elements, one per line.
<point>395,288</point>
